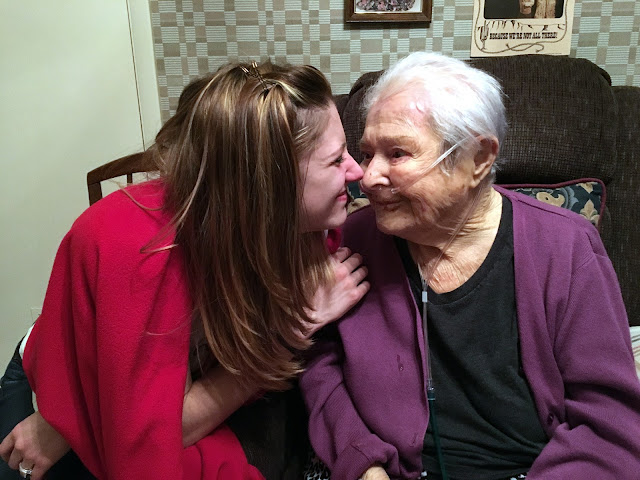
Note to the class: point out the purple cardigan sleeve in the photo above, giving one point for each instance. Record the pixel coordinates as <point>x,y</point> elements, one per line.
<point>576,348</point>
<point>338,435</point>
<point>600,437</point>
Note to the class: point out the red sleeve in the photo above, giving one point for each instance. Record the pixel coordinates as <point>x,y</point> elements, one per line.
<point>334,238</point>
<point>107,359</point>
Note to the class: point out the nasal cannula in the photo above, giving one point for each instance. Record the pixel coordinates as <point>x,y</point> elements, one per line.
<point>431,392</point>
<point>430,386</point>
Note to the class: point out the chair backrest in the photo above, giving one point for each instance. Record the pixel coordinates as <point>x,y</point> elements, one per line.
<point>135,163</point>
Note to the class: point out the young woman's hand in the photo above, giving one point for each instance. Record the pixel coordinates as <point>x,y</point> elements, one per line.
<point>375,472</point>
<point>35,444</point>
<point>209,401</point>
<point>332,301</point>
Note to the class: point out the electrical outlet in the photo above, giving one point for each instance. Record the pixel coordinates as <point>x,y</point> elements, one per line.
<point>35,313</point>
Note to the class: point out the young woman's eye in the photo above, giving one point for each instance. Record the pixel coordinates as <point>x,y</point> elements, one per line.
<point>338,160</point>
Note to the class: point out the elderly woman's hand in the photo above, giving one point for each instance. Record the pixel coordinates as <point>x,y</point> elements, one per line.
<point>332,301</point>
<point>375,472</point>
<point>34,444</point>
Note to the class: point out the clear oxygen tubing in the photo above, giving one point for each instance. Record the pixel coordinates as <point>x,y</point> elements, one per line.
<point>431,392</point>
<point>396,189</point>
<point>431,395</point>
<point>422,173</point>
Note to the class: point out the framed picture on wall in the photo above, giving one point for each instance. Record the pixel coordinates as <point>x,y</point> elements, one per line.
<point>392,11</point>
<point>517,27</point>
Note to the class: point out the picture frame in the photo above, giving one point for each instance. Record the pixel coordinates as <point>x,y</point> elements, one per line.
<point>387,11</point>
<point>517,27</point>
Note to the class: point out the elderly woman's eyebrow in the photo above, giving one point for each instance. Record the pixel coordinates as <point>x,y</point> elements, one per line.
<point>402,141</point>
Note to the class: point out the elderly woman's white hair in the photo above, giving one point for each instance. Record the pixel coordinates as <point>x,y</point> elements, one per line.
<point>460,102</point>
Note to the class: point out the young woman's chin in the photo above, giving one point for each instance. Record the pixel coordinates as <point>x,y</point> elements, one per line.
<point>336,220</point>
<point>333,220</point>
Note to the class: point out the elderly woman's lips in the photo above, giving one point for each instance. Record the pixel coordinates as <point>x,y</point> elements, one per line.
<point>386,205</point>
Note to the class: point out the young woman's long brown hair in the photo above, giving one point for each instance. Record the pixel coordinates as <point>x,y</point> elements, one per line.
<point>230,159</point>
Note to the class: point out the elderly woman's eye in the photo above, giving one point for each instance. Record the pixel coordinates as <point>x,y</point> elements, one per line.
<point>398,154</point>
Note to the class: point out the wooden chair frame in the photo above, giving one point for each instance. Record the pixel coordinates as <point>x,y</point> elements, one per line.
<point>128,165</point>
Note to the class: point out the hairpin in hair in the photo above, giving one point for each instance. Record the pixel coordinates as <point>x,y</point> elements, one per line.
<point>254,72</point>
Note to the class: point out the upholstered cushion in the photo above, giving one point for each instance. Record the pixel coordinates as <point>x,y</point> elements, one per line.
<point>635,343</point>
<point>561,114</point>
<point>584,196</point>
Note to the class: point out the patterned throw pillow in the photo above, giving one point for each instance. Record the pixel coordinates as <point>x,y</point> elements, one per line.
<point>635,344</point>
<point>585,196</point>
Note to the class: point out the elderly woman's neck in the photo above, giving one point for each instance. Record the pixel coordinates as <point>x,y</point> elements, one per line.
<point>449,264</point>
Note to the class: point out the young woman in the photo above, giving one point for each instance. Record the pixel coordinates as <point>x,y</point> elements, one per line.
<point>218,271</point>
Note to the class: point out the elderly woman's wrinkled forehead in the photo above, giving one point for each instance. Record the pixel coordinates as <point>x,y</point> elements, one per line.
<point>411,101</point>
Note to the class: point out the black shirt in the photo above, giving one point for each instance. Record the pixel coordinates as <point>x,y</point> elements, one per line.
<point>488,423</point>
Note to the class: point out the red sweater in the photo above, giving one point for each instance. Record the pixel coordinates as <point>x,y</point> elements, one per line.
<point>107,358</point>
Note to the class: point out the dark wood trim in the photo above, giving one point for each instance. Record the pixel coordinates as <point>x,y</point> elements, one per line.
<point>135,163</point>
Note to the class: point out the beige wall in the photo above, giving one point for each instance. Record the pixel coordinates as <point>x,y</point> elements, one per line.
<point>193,37</point>
<point>68,103</point>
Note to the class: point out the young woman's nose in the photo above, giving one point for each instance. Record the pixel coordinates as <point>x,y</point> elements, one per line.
<point>353,170</point>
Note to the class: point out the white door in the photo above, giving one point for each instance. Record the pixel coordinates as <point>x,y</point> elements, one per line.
<point>69,102</point>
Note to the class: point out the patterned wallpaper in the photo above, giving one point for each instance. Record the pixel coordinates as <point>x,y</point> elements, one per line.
<point>192,37</point>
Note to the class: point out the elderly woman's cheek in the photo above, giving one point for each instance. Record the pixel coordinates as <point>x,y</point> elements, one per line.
<point>394,218</point>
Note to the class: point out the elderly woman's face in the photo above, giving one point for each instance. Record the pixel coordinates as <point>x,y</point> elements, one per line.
<point>409,197</point>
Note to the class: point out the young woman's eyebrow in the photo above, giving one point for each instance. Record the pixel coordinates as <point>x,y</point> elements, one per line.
<point>337,152</point>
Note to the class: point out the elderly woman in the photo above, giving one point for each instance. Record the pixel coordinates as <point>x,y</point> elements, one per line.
<point>505,310</point>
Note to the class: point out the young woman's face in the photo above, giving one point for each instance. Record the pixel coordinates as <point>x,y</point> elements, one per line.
<point>326,171</point>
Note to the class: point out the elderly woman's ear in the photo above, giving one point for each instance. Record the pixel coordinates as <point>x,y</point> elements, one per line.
<point>486,153</point>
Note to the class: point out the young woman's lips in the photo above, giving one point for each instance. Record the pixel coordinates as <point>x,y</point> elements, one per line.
<point>342,197</point>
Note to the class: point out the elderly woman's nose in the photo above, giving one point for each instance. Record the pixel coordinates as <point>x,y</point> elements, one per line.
<point>374,173</point>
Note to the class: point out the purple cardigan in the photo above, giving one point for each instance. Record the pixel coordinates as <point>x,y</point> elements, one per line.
<point>365,391</point>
